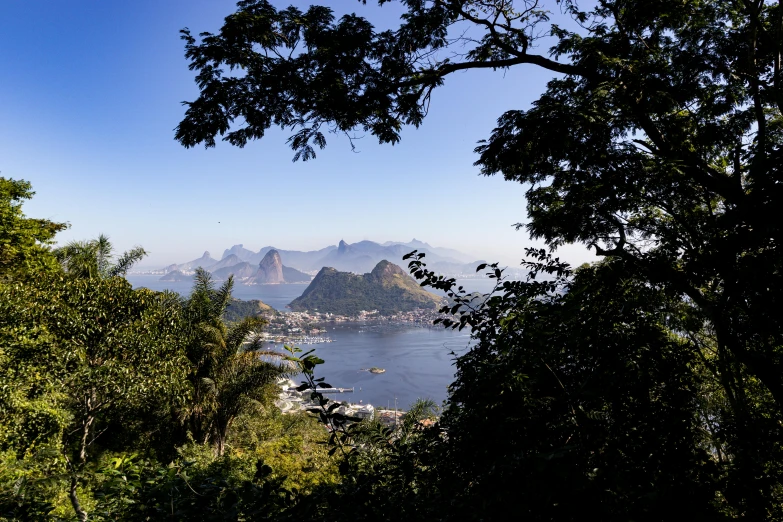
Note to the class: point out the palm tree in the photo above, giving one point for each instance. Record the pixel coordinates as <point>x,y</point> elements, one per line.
<point>94,258</point>
<point>228,373</point>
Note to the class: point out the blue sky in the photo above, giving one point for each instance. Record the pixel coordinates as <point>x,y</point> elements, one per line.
<point>91,93</point>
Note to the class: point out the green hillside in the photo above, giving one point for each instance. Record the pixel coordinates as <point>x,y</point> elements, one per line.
<point>238,309</point>
<point>387,289</point>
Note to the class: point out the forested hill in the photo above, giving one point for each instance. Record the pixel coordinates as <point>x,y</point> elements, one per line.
<point>238,309</point>
<point>387,289</point>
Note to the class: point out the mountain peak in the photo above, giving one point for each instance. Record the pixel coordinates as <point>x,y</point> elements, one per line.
<point>206,254</point>
<point>385,270</point>
<point>386,289</point>
<point>342,247</point>
<point>271,258</point>
<point>270,269</point>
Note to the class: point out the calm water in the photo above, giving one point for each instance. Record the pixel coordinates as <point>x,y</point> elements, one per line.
<point>418,361</point>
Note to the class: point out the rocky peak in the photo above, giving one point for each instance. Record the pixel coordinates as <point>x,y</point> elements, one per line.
<point>386,289</point>
<point>206,255</point>
<point>270,269</point>
<point>270,259</point>
<point>385,270</point>
<point>342,248</point>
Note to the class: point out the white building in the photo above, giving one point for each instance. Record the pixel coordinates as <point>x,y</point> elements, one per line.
<point>367,411</point>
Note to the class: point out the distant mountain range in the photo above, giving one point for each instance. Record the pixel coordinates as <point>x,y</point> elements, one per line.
<point>270,270</point>
<point>387,289</point>
<point>358,258</point>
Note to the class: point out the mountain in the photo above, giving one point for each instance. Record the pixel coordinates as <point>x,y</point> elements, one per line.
<point>300,260</point>
<point>176,275</point>
<point>421,246</point>
<point>270,270</point>
<point>240,271</point>
<point>358,257</point>
<point>350,258</point>
<point>292,275</point>
<point>310,260</point>
<point>362,256</point>
<point>227,261</point>
<point>240,252</point>
<point>205,261</point>
<point>387,289</point>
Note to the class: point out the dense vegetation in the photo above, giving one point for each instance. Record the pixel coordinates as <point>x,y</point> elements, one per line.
<point>647,386</point>
<point>386,289</point>
<point>237,309</point>
<point>114,399</point>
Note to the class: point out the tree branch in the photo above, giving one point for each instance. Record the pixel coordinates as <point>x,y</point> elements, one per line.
<point>429,75</point>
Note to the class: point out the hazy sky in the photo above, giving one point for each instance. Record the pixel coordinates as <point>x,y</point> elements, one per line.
<point>90,96</point>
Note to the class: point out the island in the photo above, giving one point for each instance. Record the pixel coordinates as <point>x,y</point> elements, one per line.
<point>375,369</point>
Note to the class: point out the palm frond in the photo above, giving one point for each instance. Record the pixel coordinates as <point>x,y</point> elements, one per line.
<point>248,329</point>
<point>208,385</point>
<point>418,411</point>
<point>202,281</point>
<point>126,261</point>
<point>78,258</point>
<point>103,253</point>
<point>171,299</point>
<point>222,297</point>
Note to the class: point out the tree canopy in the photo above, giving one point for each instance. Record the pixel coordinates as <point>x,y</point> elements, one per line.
<point>645,386</point>
<point>127,404</point>
<point>23,240</point>
<point>657,143</point>
<point>95,258</point>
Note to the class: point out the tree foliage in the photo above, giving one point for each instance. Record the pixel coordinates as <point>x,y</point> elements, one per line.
<point>228,371</point>
<point>95,259</point>
<point>94,355</point>
<point>657,143</point>
<point>122,404</point>
<point>23,240</point>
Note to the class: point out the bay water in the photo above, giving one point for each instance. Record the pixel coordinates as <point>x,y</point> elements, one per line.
<point>419,361</point>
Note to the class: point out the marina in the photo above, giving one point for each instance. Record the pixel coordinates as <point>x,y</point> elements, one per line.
<point>310,340</point>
